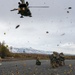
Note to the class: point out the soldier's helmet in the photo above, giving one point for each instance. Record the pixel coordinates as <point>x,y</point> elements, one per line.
<point>61,54</point>
<point>54,54</point>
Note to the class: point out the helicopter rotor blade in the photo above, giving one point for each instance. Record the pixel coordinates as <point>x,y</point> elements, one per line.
<point>14,9</point>
<point>38,6</point>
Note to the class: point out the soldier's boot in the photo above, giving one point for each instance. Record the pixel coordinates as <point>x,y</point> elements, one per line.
<point>54,65</point>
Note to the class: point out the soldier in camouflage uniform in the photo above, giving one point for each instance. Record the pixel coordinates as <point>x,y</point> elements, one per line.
<point>62,59</point>
<point>38,61</point>
<point>53,59</point>
<point>57,59</point>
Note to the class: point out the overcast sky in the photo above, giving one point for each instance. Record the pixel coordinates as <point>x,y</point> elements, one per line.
<point>55,20</point>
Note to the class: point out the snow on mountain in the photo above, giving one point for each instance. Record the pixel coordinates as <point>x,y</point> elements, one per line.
<point>30,50</point>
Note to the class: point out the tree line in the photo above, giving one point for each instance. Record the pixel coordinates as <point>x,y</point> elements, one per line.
<point>4,51</point>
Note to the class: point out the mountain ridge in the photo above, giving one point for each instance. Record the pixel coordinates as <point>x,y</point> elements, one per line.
<point>30,50</point>
<point>33,51</point>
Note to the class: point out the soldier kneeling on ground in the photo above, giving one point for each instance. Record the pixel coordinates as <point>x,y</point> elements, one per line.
<point>38,61</point>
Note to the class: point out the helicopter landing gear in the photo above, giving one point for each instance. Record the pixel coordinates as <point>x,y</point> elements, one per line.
<point>21,16</point>
<point>30,15</point>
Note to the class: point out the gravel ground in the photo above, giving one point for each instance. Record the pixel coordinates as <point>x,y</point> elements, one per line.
<point>28,67</point>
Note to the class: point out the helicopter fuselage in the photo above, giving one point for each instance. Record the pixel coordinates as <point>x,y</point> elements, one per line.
<point>24,10</point>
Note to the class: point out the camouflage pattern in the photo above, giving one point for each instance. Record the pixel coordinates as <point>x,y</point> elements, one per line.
<point>53,60</point>
<point>62,59</point>
<point>38,61</point>
<point>57,59</point>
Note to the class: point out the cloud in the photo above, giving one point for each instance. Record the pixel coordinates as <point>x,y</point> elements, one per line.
<point>54,19</point>
<point>68,45</point>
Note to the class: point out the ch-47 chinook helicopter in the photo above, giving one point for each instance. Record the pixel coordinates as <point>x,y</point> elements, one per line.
<point>23,8</point>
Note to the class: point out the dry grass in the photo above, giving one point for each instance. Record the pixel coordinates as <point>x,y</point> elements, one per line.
<point>34,56</point>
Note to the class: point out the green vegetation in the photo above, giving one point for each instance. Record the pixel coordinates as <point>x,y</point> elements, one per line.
<point>4,51</point>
